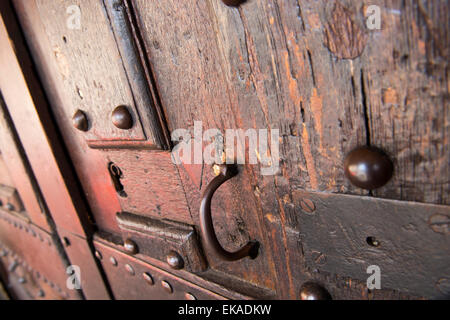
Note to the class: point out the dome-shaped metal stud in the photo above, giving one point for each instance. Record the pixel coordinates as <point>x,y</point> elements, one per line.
<point>313,291</point>
<point>175,261</point>
<point>233,3</point>
<point>368,168</point>
<point>148,278</point>
<point>130,269</point>
<point>122,118</point>
<point>130,246</point>
<point>167,287</point>
<point>80,121</point>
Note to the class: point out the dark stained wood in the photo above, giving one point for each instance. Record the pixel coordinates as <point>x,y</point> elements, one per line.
<point>267,65</point>
<point>310,69</point>
<point>404,71</point>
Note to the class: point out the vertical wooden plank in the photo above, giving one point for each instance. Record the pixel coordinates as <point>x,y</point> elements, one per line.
<point>25,99</point>
<point>92,167</point>
<point>180,42</point>
<point>20,171</point>
<point>405,69</point>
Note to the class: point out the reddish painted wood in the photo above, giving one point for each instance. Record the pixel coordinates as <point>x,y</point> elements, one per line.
<point>25,99</point>
<point>310,69</point>
<point>20,172</point>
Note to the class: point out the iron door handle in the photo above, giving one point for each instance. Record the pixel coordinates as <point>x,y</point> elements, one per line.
<point>209,236</point>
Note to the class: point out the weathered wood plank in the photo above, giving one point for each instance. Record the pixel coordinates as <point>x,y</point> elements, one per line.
<point>405,70</point>
<point>91,71</point>
<point>287,65</point>
<point>180,42</point>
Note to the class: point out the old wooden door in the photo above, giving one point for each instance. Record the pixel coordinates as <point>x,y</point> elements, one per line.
<point>317,79</point>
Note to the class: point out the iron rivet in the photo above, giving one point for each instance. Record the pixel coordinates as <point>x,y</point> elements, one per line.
<point>233,3</point>
<point>121,118</point>
<point>22,280</point>
<point>41,293</point>
<point>113,261</point>
<point>129,269</point>
<point>10,207</point>
<point>148,278</point>
<point>175,261</point>
<point>307,206</point>
<point>313,291</point>
<point>66,241</point>
<point>80,121</point>
<point>189,296</point>
<point>167,286</point>
<point>130,246</point>
<point>98,255</point>
<point>368,168</point>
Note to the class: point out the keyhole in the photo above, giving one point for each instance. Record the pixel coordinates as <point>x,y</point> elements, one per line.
<point>116,175</point>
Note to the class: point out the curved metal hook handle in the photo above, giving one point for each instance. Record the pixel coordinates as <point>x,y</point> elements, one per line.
<point>209,236</point>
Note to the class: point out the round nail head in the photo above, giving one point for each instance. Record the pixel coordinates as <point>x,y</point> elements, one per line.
<point>121,118</point>
<point>313,291</point>
<point>130,246</point>
<point>80,121</point>
<point>368,168</point>
<point>175,261</point>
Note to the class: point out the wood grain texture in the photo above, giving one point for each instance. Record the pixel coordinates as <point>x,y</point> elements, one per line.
<point>82,56</point>
<point>308,68</point>
<point>267,65</point>
<point>192,87</point>
<point>152,184</point>
<point>91,165</point>
<point>405,74</point>
<point>29,111</point>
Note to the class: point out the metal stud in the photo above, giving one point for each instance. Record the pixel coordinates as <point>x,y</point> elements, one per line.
<point>167,286</point>
<point>22,280</point>
<point>41,293</point>
<point>174,260</point>
<point>10,207</point>
<point>130,246</point>
<point>66,242</point>
<point>368,168</point>
<point>98,255</point>
<point>80,121</point>
<point>313,291</point>
<point>148,278</point>
<point>189,296</point>
<point>122,118</point>
<point>129,269</point>
<point>233,3</point>
<point>113,261</point>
